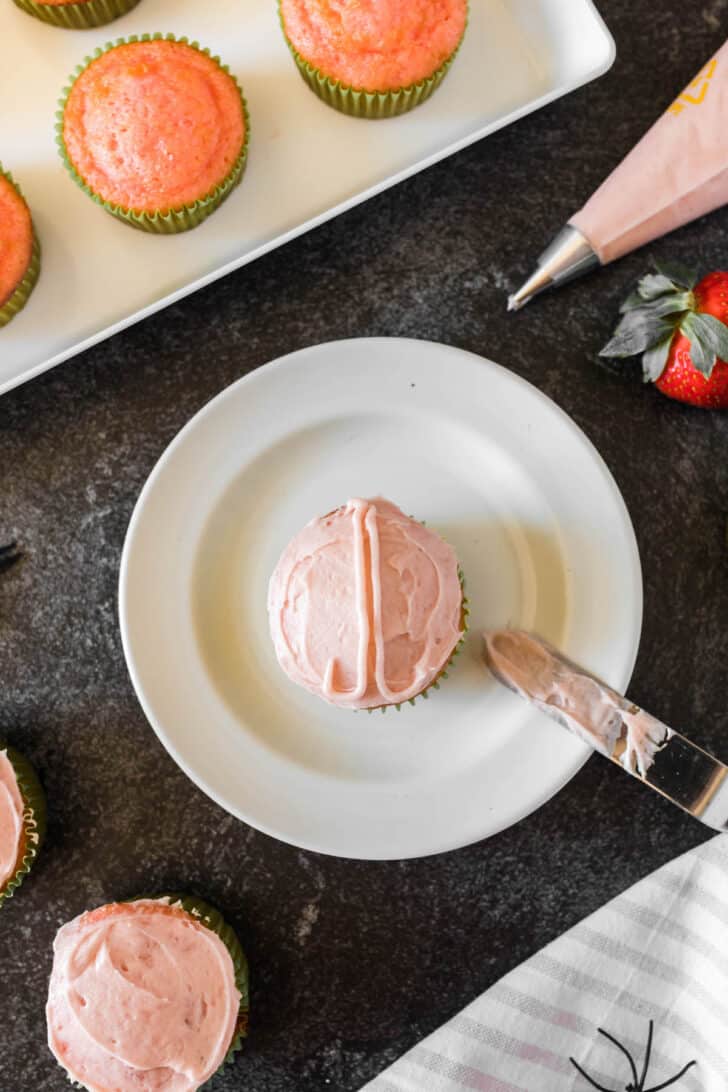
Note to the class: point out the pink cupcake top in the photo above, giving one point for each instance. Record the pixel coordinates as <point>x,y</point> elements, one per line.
<point>12,828</point>
<point>16,239</point>
<point>365,606</point>
<point>153,125</point>
<point>142,998</point>
<point>375,45</point>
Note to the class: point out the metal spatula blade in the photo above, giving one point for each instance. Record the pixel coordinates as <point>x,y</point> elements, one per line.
<point>637,742</point>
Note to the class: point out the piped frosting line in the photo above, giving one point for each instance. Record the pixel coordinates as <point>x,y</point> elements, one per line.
<point>377,624</point>
<point>418,674</point>
<point>359,512</point>
<point>362,597</point>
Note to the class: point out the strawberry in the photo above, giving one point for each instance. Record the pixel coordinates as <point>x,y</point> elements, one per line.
<point>681,330</point>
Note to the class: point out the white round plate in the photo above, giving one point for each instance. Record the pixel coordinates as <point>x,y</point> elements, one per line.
<point>484,458</point>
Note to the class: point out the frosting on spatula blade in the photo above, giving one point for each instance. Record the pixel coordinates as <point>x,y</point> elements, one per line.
<point>578,700</point>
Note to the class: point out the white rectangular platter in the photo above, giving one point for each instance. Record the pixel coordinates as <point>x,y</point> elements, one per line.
<point>306,163</point>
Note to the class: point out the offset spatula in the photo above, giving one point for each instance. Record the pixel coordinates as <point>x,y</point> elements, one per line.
<point>611,724</point>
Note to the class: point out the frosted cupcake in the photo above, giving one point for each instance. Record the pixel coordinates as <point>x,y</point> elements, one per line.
<point>19,250</point>
<point>373,58</point>
<point>156,131</point>
<point>366,606</point>
<point>76,14</point>
<point>22,819</point>
<point>146,995</point>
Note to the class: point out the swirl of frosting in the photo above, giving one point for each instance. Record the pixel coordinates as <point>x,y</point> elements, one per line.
<point>365,606</point>
<point>142,997</point>
<point>12,829</point>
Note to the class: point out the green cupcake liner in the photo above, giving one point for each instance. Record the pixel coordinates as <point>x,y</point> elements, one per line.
<point>214,920</point>
<point>168,221</point>
<point>435,685</point>
<point>19,298</point>
<point>372,105</point>
<point>34,817</point>
<point>80,16</point>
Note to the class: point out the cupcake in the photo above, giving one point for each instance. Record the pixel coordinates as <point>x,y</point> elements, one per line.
<point>76,14</point>
<point>373,58</point>
<point>19,250</point>
<point>366,606</point>
<point>146,995</point>
<point>22,819</point>
<point>155,130</point>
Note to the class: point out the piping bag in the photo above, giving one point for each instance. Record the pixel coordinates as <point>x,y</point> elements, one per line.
<point>677,172</point>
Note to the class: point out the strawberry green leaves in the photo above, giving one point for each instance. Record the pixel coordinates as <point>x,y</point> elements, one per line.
<point>680,274</point>
<point>636,332</point>
<point>663,304</point>
<point>663,287</point>
<point>708,340</point>
<point>654,359</point>
<point>653,285</point>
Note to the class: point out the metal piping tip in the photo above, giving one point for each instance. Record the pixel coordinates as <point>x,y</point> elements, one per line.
<point>568,256</point>
<point>537,282</point>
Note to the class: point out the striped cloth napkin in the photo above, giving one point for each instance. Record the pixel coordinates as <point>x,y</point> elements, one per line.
<point>658,953</point>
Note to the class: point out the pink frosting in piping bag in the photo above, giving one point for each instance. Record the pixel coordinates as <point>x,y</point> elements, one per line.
<point>11,820</point>
<point>142,997</point>
<point>365,605</point>
<point>677,172</point>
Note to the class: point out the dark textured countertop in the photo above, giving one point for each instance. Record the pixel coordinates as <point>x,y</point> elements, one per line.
<point>353,962</point>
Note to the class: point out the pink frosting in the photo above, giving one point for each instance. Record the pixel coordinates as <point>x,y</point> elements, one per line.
<point>11,820</point>
<point>142,997</point>
<point>589,708</point>
<point>365,606</point>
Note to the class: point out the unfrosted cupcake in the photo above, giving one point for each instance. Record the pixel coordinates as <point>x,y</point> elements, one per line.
<point>76,14</point>
<point>22,819</point>
<point>366,606</point>
<point>156,131</point>
<point>373,58</point>
<point>19,250</point>
<point>146,995</point>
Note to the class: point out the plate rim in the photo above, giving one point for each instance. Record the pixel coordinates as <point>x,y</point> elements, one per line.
<point>448,844</point>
